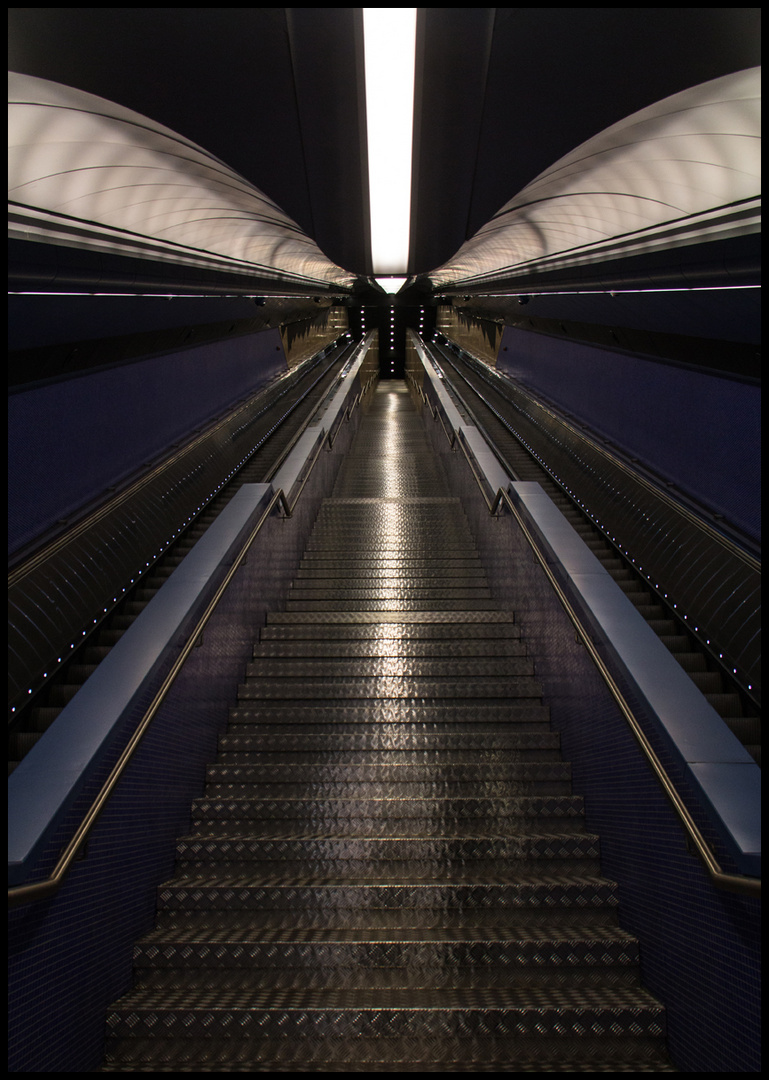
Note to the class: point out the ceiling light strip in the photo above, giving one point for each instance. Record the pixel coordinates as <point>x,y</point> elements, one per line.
<point>389,38</point>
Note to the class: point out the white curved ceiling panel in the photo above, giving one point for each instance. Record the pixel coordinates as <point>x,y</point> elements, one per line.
<point>86,172</point>
<point>678,172</point>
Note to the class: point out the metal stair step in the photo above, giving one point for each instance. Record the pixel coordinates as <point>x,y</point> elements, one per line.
<point>501,746</point>
<point>390,789</point>
<point>372,606</point>
<point>388,647</point>
<point>415,588</point>
<point>391,666</point>
<point>396,717</point>
<point>361,1056</point>
<point>376,617</point>
<point>390,569</point>
<point>201,892</point>
<point>435,948</point>
<point>391,687</point>
<point>297,827</point>
<point>425,966</point>
<point>446,808</point>
<point>427,771</point>
<point>422,851</point>
<point>392,630</point>
<point>618,1013</point>
<point>383,923</point>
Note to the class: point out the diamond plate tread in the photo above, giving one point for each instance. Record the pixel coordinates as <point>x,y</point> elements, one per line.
<point>437,550</point>
<point>342,502</point>
<point>387,716</point>
<point>453,618</point>
<point>384,526</point>
<point>436,809</point>
<point>299,827</point>
<point>611,1013</point>
<point>363,584</point>
<point>200,892</point>
<point>493,747</point>
<point>181,1062</point>
<point>425,965</point>
<point>248,750</point>
<point>401,927</point>
<point>339,872</point>
<point>514,947</point>
<point>374,648</point>
<point>445,850</point>
<point>387,771</point>
<point>380,545</point>
<point>386,686</point>
<point>389,525</point>
<point>392,923</point>
<point>385,585</point>
<point>321,720</point>
<point>402,604</point>
<point>343,506</point>
<point>346,728</point>
<point>319,569</point>
<point>392,666</point>
<point>549,892</point>
<point>391,791</point>
<point>393,630</point>
<point>586,1002</point>
<point>340,762</point>
<point>325,561</point>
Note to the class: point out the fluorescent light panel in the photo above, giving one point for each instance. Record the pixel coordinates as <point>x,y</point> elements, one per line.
<point>391,284</point>
<point>389,39</point>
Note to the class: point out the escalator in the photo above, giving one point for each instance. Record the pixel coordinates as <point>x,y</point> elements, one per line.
<point>263,431</point>
<point>388,869</point>
<point>508,430</point>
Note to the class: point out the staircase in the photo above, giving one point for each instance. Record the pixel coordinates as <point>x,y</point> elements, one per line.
<point>388,871</point>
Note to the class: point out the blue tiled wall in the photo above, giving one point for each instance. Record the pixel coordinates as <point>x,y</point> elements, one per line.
<point>699,430</point>
<point>69,440</point>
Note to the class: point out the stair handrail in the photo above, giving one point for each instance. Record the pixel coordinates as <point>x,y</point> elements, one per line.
<point>39,890</point>
<point>741,883</point>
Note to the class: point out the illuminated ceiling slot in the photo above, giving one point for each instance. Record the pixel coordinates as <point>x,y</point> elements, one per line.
<point>389,36</point>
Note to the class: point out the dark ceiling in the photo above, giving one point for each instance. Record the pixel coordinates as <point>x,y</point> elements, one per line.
<point>501,94</point>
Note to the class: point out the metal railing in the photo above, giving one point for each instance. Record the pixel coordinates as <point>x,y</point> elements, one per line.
<point>733,882</point>
<point>39,890</point>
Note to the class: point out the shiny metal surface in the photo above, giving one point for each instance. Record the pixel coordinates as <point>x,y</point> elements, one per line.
<point>388,869</point>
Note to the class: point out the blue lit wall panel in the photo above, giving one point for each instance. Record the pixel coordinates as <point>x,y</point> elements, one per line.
<point>69,440</point>
<point>699,431</point>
